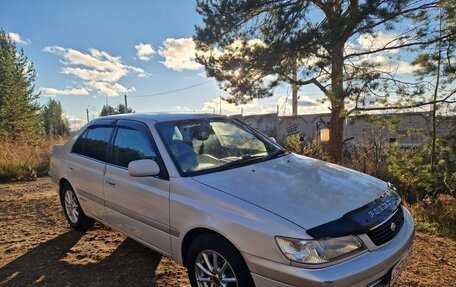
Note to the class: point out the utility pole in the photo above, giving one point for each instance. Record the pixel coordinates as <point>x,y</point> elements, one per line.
<point>87,111</point>
<point>295,89</point>
<point>125,98</point>
<point>220,106</point>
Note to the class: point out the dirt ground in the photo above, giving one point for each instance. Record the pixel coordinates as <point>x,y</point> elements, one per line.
<point>38,249</point>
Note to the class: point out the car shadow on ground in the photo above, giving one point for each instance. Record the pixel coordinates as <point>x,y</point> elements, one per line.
<point>130,264</point>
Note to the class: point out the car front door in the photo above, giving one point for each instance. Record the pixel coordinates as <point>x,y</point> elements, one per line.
<point>86,167</point>
<point>138,206</point>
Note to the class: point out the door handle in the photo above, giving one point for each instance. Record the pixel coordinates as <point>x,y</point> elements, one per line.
<point>111,183</point>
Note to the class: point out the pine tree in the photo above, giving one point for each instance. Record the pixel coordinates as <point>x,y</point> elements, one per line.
<point>108,110</point>
<point>435,65</point>
<point>19,118</point>
<point>122,110</point>
<point>252,46</point>
<point>53,119</point>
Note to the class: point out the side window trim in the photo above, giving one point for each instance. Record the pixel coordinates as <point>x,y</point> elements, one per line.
<point>110,146</point>
<point>142,128</point>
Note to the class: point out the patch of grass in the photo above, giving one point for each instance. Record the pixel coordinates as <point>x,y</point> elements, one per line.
<point>22,160</point>
<point>436,216</point>
<point>430,227</point>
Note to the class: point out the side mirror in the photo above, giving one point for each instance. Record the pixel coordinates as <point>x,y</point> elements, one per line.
<point>273,139</point>
<point>143,167</point>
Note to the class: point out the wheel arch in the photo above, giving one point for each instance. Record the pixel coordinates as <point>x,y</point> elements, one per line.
<point>195,232</point>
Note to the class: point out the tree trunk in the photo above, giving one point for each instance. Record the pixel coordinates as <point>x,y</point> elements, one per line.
<point>336,131</point>
<point>434,105</point>
<point>295,88</point>
<point>337,97</point>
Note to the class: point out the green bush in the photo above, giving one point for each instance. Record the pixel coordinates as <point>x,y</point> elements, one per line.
<point>417,177</point>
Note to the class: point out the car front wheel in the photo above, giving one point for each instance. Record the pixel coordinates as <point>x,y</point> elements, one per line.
<point>212,261</point>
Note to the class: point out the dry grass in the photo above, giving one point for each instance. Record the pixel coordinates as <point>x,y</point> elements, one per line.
<point>436,216</point>
<point>21,160</point>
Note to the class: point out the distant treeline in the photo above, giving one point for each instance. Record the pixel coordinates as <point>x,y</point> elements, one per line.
<point>21,117</point>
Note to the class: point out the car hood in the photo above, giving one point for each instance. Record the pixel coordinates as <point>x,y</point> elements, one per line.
<point>305,191</point>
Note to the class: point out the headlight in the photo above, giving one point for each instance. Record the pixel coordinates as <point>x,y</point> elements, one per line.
<point>319,251</point>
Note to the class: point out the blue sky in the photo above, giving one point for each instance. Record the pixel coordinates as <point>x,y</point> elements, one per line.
<point>87,52</point>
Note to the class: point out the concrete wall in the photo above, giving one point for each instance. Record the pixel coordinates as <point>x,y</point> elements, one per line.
<point>266,123</point>
<point>357,127</point>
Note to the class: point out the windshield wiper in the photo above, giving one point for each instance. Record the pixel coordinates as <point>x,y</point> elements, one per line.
<point>276,154</point>
<point>241,161</point>
<point>248,158</point>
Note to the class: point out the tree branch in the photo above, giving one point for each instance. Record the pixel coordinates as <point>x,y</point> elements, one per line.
<point>402,12</point>
<point>308,82</point>
<point>358,54</point>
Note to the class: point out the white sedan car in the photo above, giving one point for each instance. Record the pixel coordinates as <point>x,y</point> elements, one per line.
<point>230,204</point>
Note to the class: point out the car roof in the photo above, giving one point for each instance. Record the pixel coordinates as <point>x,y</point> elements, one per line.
<point>159,117</point>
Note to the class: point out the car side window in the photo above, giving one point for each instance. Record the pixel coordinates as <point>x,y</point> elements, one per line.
<point>77,147</point>
<point>130,145</point>
<point>96,142</point>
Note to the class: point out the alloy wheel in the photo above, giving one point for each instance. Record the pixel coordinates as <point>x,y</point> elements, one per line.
<point>71,206</point>
<point>213,270</point>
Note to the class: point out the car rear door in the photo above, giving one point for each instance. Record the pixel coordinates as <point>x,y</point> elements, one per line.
<point>86,167</point>
<point>138,206</point>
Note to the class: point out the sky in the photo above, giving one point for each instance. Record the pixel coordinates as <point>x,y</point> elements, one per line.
<point>87,53</point>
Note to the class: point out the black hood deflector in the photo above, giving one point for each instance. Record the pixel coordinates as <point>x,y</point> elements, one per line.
<point>360,220</point>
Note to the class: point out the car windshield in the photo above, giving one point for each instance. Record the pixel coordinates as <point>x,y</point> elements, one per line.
<point>207,145</point>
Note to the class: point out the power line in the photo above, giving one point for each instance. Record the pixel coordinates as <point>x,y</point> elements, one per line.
<point>171,91</point>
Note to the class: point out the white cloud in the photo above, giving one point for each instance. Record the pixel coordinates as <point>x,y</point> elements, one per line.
<point>75,122</point>
<point>182,108</point>
<point>228,108</point>
<point>387,64</point>
<point>15,37</point>
<point>93,74</point>
<point>386,61</point>
<point>179,54</point>
<point>144,52</point>
<point>69,91</point>
<point>393,66</point>
<point>306,105</point>
<point>97,69</point>
<point>379,40</point>
<point>109,89</point>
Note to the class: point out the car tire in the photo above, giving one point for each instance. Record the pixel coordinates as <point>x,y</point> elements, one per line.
<point>73,212</point>
<point>200,258</point>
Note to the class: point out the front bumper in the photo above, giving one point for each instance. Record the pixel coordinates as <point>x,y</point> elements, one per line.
<point>360,271</point>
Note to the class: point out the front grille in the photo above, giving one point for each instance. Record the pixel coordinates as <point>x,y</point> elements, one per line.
<point>384,233</point>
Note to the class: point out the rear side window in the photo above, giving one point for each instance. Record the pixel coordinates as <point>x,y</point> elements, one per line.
<point>96,142</point>
<point>78,145</point>
<point>130,145</point>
